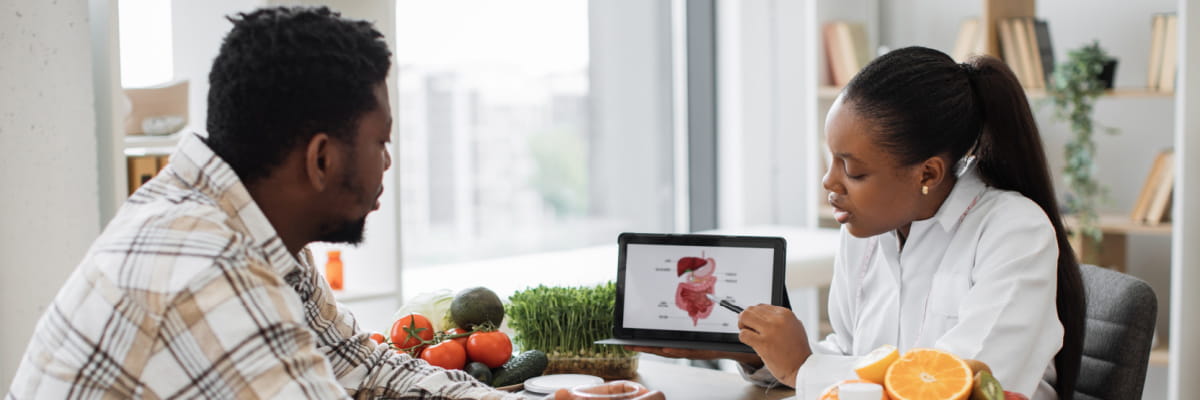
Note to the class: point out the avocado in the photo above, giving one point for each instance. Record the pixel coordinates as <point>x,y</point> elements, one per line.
<point>474,306</point>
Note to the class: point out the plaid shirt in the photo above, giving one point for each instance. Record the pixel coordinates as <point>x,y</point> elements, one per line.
<point>190,293</point>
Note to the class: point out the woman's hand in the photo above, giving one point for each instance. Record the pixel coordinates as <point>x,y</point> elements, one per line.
<point>778,337</point>
<point>693,354</point>
<point>614,387</point>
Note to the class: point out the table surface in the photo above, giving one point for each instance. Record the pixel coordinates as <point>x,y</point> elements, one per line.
<point>686,382</point>
<point>683,382</point>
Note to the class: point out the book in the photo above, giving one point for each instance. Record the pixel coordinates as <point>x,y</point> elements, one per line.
<point>833,58</point>
<point>1033,57</point>
<point>1166,78</point>
<point>1009,51</point>
<point>845,49</point>
<point>1045,49</point>
<point>1158,30</point>
<point>1160,204</point>
<point>1142,204</point>
<point>969,41</point>
<point>858,43</point>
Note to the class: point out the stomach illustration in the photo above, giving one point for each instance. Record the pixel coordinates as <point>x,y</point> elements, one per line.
<point>698,281</point>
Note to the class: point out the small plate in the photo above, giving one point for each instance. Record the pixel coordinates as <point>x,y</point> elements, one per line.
<point>549,383</point>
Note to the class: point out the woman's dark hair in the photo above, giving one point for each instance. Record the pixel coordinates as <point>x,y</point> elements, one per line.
<point>927,105</point>
<point>284,74</point>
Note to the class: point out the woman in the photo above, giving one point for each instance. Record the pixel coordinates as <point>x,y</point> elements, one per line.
<point>951,235</point>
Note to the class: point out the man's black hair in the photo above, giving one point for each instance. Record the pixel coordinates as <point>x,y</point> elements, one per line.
<point>284,74</point>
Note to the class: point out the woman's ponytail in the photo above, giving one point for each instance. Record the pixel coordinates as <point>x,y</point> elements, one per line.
<point>1010,157</point>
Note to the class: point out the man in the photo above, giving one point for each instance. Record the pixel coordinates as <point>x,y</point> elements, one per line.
<point>201,286</point>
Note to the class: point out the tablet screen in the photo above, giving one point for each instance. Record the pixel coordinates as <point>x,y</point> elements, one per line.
<point>666,285</point>
<point>663,283</point>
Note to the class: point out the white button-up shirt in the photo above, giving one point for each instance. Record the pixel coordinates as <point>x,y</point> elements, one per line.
<point>978,280</point>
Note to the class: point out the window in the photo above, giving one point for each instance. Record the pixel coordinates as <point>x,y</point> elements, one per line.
<point>527,126</point>
<point>145,37</point>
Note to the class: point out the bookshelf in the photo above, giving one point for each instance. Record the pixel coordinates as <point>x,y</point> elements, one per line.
<point>142,145</point>
<point>1116,93</point>
<point>1112,249</point>
<point>1145,116</point>
<point>828,93</point>
<point>145,156</point>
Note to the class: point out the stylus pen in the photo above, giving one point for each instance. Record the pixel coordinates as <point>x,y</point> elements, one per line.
<point>724,303</point>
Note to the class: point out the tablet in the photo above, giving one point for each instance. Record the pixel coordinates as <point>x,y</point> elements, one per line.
<point>666,284</point>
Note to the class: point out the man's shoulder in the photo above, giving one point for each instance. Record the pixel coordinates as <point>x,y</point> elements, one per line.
<point>200,227</point>
<point>163,246</point>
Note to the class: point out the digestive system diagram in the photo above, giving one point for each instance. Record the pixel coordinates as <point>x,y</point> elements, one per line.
<point>699,280</point>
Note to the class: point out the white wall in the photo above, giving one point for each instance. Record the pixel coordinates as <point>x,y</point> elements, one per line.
<point>50,205</point>
<point>1185,321</point>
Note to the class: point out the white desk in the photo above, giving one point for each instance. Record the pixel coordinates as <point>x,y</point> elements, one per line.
<point>810,251</point>
<point>689,383</point>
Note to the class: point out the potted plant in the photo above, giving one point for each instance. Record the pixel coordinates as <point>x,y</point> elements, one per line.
<point>1077,83</point>
<point>565,323</point>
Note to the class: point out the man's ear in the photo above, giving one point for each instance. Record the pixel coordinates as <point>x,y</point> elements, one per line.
<point>933,171</point>
<point>318,160</point>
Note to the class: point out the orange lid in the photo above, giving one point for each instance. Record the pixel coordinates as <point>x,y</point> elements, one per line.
<point>334,254</point>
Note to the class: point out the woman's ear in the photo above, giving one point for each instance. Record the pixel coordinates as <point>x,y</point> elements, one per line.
<point>318,157</point>
<point>933,171</point>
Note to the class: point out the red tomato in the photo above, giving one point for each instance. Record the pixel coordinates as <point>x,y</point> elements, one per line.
<point>448,354</point>
<point>458,331</point>
<point>408,331</point>
<point>378,337</point>
<point>491,348</point>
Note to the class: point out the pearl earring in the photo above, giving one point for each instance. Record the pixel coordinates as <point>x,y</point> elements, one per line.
<point>924,190</point>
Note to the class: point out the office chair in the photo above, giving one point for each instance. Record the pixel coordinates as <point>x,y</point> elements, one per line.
<point>1121,311</point>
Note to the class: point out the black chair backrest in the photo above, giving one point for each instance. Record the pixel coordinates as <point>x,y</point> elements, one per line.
<point>1121,312</point>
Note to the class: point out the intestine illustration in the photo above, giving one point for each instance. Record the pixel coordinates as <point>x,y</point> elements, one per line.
<point>690,294</point>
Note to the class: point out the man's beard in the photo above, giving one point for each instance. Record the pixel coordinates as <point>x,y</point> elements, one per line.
<point>348,232</point>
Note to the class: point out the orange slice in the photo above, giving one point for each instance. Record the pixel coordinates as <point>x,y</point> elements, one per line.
<point>928,374</point>
<point>873,366</point>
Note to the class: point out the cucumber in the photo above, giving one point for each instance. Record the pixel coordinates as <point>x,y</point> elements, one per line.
<point>523,366</point>
<point>480,371</point>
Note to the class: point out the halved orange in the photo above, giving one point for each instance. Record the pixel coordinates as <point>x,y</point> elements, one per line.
<point>928,374</point>
<point>873,366</point>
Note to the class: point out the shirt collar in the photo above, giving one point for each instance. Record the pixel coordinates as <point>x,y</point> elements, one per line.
<point>962,198</point>
<point>201,169</point>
